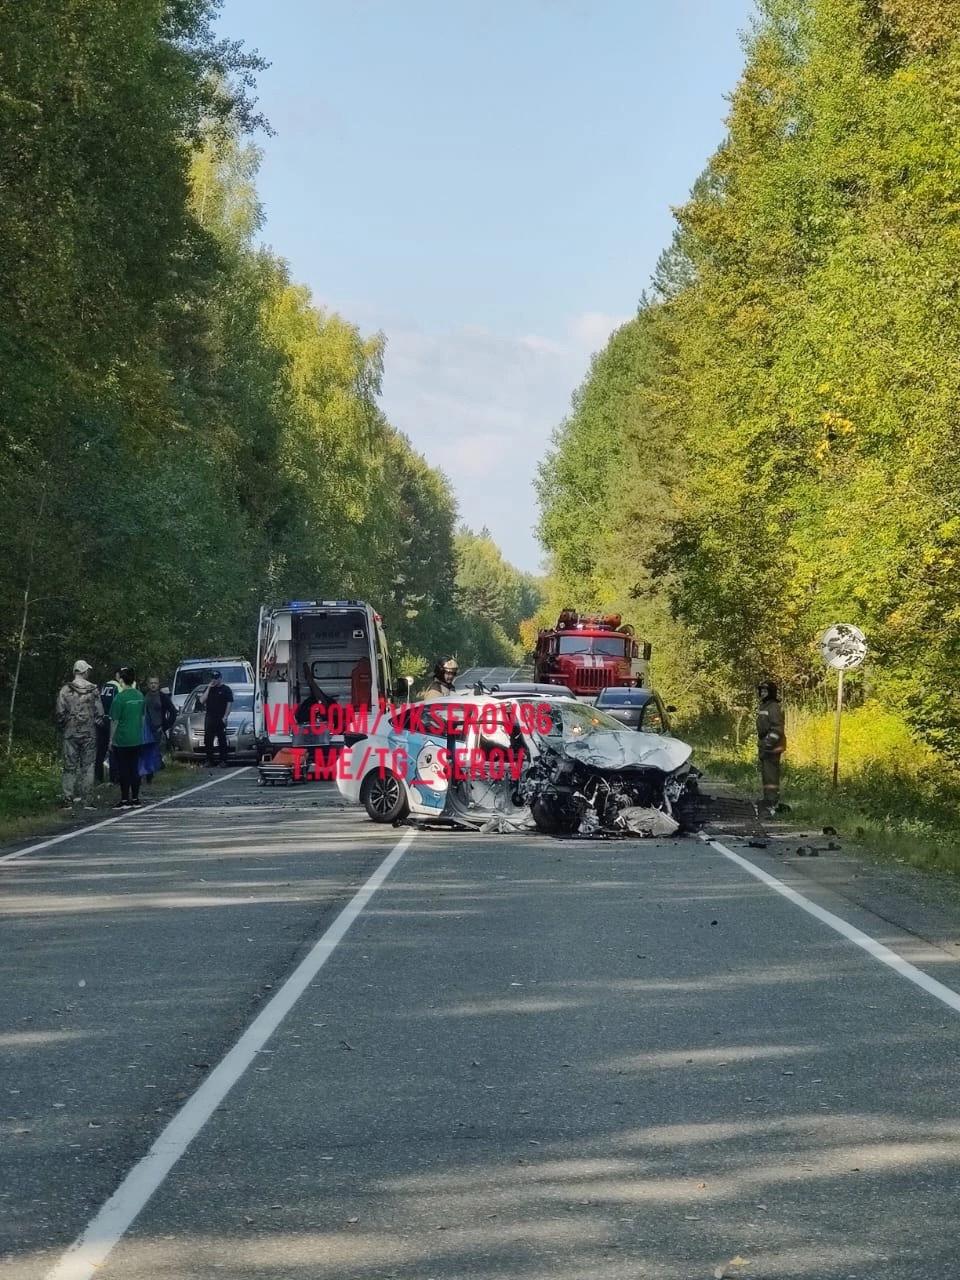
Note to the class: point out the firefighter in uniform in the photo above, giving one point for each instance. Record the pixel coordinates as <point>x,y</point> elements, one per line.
<point>771,743</point>
<point>444,674</point>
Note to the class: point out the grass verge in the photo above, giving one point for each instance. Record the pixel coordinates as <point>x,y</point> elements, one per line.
<point>30,794</point>
<point>896,798</point>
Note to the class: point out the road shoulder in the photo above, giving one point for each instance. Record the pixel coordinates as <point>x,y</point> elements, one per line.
<point>919,902</point>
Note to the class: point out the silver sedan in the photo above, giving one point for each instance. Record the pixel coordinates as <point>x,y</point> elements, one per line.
<point>186,736</point>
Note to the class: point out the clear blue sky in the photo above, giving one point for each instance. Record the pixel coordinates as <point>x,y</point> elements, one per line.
<point>489,182</point>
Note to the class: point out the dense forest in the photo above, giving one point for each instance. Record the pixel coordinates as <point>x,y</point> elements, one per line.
<point>183,433</point>
<point>771,444</point>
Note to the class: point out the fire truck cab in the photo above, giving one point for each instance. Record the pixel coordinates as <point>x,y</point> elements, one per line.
<point>590,652</point>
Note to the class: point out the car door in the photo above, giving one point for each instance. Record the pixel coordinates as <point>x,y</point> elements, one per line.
<point>664,714</point>
<point>654,717</point>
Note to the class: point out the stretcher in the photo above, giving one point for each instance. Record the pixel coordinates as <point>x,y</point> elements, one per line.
<point>292,765</point>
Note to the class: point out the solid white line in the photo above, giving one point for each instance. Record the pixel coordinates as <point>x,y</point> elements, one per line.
<point>91,1250</point>
<point>127,813</point>
<point>946,995</point>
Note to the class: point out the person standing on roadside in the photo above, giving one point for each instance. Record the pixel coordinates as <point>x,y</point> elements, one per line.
<point>79,715</point>
<point>216,705</point>
<point>444,674</point>
<point>126,737</point>
<point>107,695</point>
<point>771,743</point>
<point>160,713</point>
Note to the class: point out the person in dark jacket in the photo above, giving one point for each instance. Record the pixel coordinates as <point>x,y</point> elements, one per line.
<point>107,695</point>
<point>444,674</point>
<point>215,701</point>
<point>771,743</point>
<point>161,714</point>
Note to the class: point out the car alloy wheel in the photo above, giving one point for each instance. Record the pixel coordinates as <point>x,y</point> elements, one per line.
<point>384,797</point>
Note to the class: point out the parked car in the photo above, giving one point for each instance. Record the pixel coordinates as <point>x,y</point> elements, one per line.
<point>640,709</point>
<point>192,673</point>
<point>186,736</point>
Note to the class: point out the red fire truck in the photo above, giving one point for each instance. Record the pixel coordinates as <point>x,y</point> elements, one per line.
<point>589,652</point>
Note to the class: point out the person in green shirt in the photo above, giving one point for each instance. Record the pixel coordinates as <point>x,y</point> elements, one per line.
<point>126,737</point>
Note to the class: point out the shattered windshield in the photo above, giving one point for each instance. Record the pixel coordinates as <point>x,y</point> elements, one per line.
<point>574,719</point>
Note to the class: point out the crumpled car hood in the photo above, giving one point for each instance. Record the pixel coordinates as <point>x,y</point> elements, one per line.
<point>605,749</point>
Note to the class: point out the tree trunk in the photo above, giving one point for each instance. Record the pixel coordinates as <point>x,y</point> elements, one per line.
<point>24,617</point>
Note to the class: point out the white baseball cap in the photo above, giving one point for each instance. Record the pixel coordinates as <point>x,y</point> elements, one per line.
<point>82,667</point>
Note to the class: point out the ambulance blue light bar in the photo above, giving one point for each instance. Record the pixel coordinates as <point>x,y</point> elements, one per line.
<point>314,604</point>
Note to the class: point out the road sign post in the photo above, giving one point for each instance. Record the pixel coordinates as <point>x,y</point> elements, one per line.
<point>836,730</point>
<point>843,648</point>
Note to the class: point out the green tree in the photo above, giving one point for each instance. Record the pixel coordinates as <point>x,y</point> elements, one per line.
<point>792,413</point>
<point>187,431</point>
<point>493,598</point>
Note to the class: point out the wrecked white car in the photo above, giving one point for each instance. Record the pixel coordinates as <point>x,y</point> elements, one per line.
<point>509,764</point>
<point>592,775</point>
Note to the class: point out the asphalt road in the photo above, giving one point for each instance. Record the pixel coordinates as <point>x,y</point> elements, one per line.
<point>525,1058</point>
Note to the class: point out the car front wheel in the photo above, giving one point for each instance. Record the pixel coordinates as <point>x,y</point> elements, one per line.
<point>384,797</point>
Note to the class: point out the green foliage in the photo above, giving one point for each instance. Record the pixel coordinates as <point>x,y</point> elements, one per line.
<point>29,783</point>
<point>183,433</point>
<point>895,794</point>
<point>791,404</point>
<point>493,599</point>
<point>607,501</point>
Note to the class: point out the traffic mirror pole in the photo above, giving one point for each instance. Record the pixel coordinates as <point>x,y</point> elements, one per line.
<point>843,648</point>
<point>836,731</point>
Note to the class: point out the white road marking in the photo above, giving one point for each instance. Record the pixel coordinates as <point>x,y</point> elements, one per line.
<point>91,1250</point>
<point>946,995</point>
<point>125,813</point>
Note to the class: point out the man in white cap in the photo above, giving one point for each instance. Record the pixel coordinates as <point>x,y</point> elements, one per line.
<point>79,712</point>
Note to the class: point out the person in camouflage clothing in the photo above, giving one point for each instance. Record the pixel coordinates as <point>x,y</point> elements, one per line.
<point>79,712</point>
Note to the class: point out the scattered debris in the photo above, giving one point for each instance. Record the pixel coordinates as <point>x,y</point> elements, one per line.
<point>723,1271</point>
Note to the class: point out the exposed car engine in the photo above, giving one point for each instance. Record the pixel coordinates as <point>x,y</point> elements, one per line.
<point>568,795</point>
